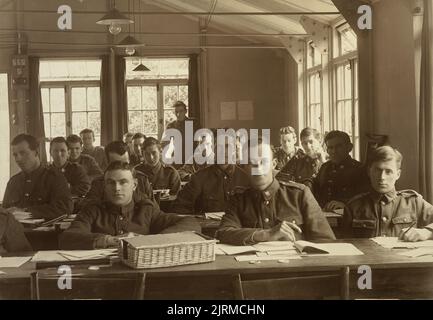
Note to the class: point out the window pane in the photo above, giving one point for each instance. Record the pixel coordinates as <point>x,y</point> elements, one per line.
<point>150,121</point>
<point>57,99</point>
<point>183,94</point>
<point>134,98</point>
<point>170,96</point>
<point>58,124</point>
<point>47,126</point>
<point>79,122</point>
<point>95,122</point>
<point>66,70</point>
<point>134,121</point>
<point>164,68</point>
<point>93,99</point>
<point>45,96</point>
<point>149,97</point>
<point>168,117</point>
<point>79,99</point>
<point>347,81</point>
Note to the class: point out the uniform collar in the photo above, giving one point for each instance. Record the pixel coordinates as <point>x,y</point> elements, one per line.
<point>229,171</point>
<point>62,168</point>
<point>34,175</point>
<point>125,211</point>
<point>156,168</point>
<point>270,191</point>
<point>387,197</point>
<point>345,163</point>
<point>76,160</point>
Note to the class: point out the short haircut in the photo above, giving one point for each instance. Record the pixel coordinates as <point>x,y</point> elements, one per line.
<point>58,140</point>
<point>306,132</point>
<point>120,165</point>
<point>385,153</point>
<point>84,131</point>
<point>73,138</point>
<point>138,135</point>
<point>338,134</point>
<point>287,130</point>
<point>118,147</point>
<point>128,135</point>
<point>151,141</point>
<point>179,103</point>
<point>31,140</point>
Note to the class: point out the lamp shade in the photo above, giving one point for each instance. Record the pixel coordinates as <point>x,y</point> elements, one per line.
<point>114,17</point>
<point>141,67</point>
<point>130,41</point>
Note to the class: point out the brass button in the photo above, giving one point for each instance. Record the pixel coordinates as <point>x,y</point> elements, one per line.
<point>120,218</point>
<point>27,195</point>
<point>384,219</point>
<point>405,219</point>
<point>267,202</point>
<point>266,220</point>
<point>28,181</point>
<point>382,203</point>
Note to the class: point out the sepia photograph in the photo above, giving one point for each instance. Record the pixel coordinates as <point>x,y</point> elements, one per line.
<point>216,151</point>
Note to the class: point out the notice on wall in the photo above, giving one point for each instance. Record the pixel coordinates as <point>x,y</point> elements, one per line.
<point>228,110</point>
<point>245,110</point>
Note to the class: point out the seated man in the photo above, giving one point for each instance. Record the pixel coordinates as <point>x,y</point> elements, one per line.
<point>271,210</point>
<point>384,211</point>
<point>287,149</point>
<point>118,151</point>
<point>100,225</point>
<point>137,155</point>
<point>305,165</point>
<point>79,182</point>
<point>210,188</point>
<point>36,191</point>
<point>127,138</point>
<point>97,152</point>
<point>340,178</point>
<point>12,238</point>
<point>75,146</point>
<point>161,176</point>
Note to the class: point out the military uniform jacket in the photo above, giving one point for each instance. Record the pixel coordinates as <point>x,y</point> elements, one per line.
<point>90,165</point>
<point>210,190</point>
<point>79,182</point>
<point>161,176</point>
<point>256,210</point>
<point>98,154</point>
<point>142,192</point>
<point>301,168</point>
<point>44,192</point>
<point>372,214</point>
<point>12,238</point>
<point>340,182</point>
<point>282,158</point>
<point>98,220</point>
<point>187,170</point>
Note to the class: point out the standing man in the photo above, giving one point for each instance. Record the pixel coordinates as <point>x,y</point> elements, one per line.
<point>97,152</point>
<point>340,178</point>
<point>271,210</point>
<point>36,191</point>
<point>383,211</point>
<point>78,181</point>
<point>75,146</point>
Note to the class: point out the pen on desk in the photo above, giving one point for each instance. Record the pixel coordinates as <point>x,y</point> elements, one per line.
<point>410,227</point>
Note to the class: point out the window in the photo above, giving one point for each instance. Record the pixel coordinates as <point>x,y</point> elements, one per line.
<point>314,57</point>
<point>314,111</point>
<point>4,137</point>
<point>151,94</point>
<point>70,91</point>
<point>346,40</point>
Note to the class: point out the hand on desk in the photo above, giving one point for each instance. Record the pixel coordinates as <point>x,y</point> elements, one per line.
<point>415,234</point>
<point>282,231</point>
<point>19,213</point>
<point>332,205</point>
<point>111,241</point>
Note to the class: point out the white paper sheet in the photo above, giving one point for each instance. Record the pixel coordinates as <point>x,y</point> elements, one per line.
<point>337,249</point>
<point>245,110</point>
<point>394,242</point>
<point>274,246</point>
<point>265,258</point>
<point>228,110</point>
<point>232,250</point>
<point>13,262</point>
<point>415,253</point>
<point>214,215</point>
<point>72,255</point>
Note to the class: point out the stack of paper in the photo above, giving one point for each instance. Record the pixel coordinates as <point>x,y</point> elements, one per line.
<point>214,215</point>
<point>73,255</point>
<point>418,252</point>
<point>394,242</point>
<point>13,262</point>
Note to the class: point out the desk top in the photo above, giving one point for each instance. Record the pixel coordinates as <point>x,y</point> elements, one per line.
<point>374,256</point>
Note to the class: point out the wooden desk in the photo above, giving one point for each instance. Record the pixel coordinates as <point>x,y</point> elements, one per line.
<point>393,275</point>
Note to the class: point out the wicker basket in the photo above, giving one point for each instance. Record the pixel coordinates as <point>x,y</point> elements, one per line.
<point>166,250</point>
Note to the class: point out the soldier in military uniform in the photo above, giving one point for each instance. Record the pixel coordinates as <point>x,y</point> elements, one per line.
<point>96,152</point>
<point>340,178</point>
<point>75,147</point>
<point>271,210</point>
<point>12,238</point>
<point>118,151</point>
<point>305,165</point>
<point>100,225</point>
<point>287,149</point>
<point>78,181</point>
<point>36,191</point>
<point>161,176</point>
<point>136,153</point>
<point>384,211</point>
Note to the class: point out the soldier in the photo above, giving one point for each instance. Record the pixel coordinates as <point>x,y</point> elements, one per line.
<point>287,149</point>
<point>127,138</point>
<point>12,238</point>
<point>97,152</point>
<point>118,151</point>
<point>75,147</point>
<point>36,191</point>
<point>79,182</point>
<point>305,165</point>
<point>161,176</point>
<point>340,178</point>
<point>137,155</point>
<point>271,210</point>
<point>102,224</point>
<point>384,211</point>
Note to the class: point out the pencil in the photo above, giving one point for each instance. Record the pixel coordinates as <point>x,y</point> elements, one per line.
<point>410,227</point>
